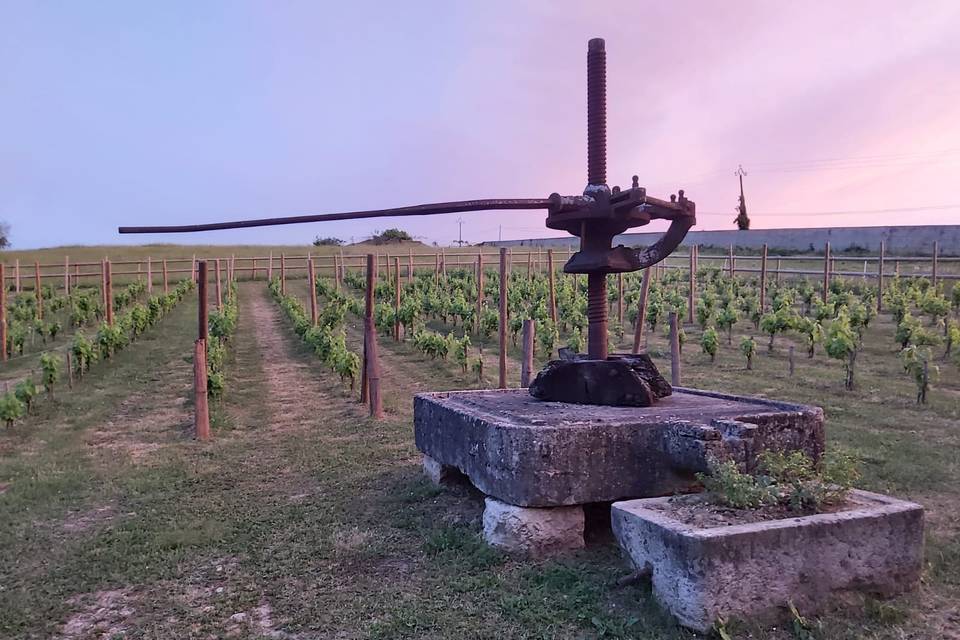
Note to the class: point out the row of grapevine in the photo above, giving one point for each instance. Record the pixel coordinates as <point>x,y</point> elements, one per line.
<point>835,322</point>
<point>28,320</point>
<point>222,323</point>
<point>328,337</point>
<point>110,339</point>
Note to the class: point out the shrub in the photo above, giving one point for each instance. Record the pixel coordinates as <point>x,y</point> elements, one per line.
<point>841,344</point>
<point>50,367</point>
<point>26,391</point>
<point>748,347</point>
<point>788,479</point>
<point>709,343</point>
<point>11,409</point>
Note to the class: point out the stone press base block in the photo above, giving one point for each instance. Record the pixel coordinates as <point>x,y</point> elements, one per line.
<point>513,528</point>
<point>535,453</point>
<point>533,531</point>
<point>752,571</point>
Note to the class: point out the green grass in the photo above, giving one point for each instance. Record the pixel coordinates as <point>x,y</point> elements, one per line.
<point>306,517</point>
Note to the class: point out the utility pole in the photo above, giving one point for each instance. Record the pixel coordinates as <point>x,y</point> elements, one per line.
<point>460,242</point>
<point>500,233</point>
<point>742,220</point>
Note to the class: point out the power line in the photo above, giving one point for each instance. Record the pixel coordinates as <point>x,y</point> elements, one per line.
<point>785,214</point>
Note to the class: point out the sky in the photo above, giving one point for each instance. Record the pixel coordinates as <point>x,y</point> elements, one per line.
<point>120,113</point>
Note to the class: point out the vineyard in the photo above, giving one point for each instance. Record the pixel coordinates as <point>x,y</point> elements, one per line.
<point>303,513</point>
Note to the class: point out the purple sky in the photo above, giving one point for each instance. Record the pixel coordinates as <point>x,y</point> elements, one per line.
<point>175,112</point>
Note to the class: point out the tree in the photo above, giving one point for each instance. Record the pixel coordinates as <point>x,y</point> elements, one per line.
<point>4,235</point>
<point>327,242</point>
<point>391,235</point>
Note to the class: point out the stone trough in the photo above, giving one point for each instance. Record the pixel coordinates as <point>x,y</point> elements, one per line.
<point>752,571</point>
<point>540,462</point>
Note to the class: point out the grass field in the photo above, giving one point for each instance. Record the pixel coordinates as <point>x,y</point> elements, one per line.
<point>304,519</point>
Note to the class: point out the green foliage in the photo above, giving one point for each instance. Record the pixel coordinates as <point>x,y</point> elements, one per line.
<point>547,336</point>
<point>461,351</point>
<point>841,343</point>
<point>812,332</point>
<point>50,367</point>
<point>11,409</point>
<point>748,347</point>
<point>788,479</point>
<point>391,235</point>
<point>916,362</point>
<point>728,486</point>
<point>26,391</point>
<point>477,367</point>
<point>576,341</point>
<point>727,317</point>
<point>84,353</point>
<point>709,342</point>
<point>776,322</point>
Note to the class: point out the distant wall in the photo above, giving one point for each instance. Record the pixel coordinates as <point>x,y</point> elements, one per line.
<point>905,240</point>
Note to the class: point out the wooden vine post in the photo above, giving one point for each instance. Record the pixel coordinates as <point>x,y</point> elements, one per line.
<point>270,267</point>
<point>502,383</point>
<point>312,284</point>
<point>674,349</point>
<point>641,310</point>
<point>219,289</point>
<point>166,285</point>
<point>936,252</point>
<point>410,267</point>
<point>396,300</point>
<point>16,274</point>
<point>826,272</point>
<point>3,313</point>
<point>526,365</point>
<point>103,283</point>
<point>778,270</point>
<point>201,416</point>
<point>732,262</point>
<point>880,277</point>
<point>479,290</point>
<point>620,299</point>
<point>66,275</point>
<point>370,358</point>
<point>108,289</point>
<point>763,278</point>
<point>693,283</point>
<point>551,278</point>
<point>283,274</point>
<point>39,291</point>
<point>149,275</point>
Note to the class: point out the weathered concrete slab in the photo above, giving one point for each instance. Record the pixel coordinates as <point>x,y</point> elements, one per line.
<point>533,453</point>
<point>534,531</point>
<point>752,571</point>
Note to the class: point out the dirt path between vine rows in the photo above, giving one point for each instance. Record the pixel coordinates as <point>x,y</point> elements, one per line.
<point>296,392</point>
